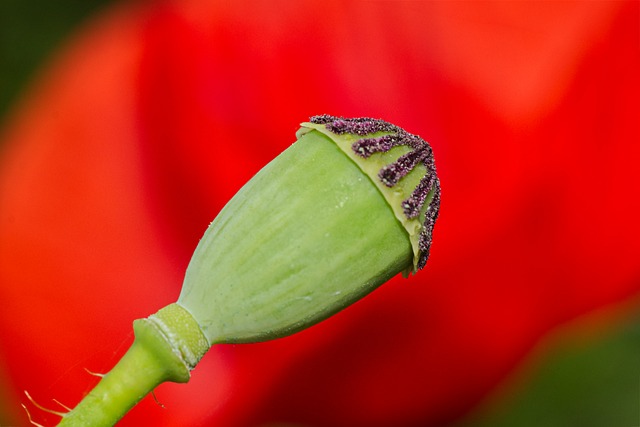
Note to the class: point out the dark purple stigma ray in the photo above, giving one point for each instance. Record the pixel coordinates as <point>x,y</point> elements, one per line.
<point>392,173</point>
<point>414,203</point>
<point>367,146</point>
<point>426,235</point>
<point>360,126</point>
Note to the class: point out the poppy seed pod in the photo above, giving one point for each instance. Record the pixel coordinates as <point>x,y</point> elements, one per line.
<point>344,209</point>
<point>348,206</point>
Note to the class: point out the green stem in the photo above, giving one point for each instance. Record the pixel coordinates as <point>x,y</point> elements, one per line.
<point>167,347</point>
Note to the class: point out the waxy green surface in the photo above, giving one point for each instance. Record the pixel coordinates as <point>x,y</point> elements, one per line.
<point>306,237</point>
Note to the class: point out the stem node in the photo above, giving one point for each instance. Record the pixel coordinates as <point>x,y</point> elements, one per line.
<point>167,346</point>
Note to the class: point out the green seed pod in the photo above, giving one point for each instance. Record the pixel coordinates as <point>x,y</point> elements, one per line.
<point>312,232</point>
<point>348,206</point>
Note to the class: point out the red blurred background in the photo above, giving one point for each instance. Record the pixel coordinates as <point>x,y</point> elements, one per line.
<point>153,114</point>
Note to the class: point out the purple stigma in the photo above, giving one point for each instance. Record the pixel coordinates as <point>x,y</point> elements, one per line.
<point>391,174</point>
<point>367,146</point>
<point>426,235</point>
<point>414,203</point>
<point>360,126</point>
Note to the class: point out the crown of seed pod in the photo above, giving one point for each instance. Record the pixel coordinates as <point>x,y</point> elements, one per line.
<point>348,206</point>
